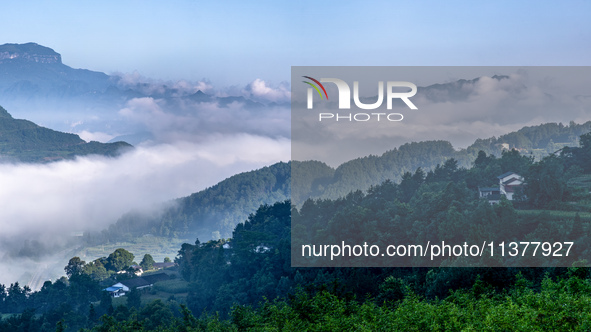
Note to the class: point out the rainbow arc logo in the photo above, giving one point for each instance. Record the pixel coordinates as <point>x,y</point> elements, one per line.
<point>316,87</point>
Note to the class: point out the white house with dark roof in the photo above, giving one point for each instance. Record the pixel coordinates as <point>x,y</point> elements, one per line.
<point>125,286</point>
<point>492,194</point>
<point>488,191</point>
<point>508,184</point>
<point>115,291</point>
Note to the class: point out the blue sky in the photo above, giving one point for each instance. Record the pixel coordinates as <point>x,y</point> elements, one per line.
<point>236,42</point>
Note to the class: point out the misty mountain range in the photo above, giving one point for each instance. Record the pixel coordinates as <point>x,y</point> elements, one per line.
<point>34,81</point>
<point>215,211</point>
<point>211,213</point>
<point>35,84</point>
<point>32,71</point>
<point>35,72</point>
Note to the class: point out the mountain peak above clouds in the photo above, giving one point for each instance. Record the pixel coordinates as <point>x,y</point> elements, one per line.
<point>29,52</point>
<point>32,71</point>
<point>36,85</point>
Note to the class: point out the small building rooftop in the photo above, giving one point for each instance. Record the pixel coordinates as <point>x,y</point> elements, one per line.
<point>486,189</point>
<point>505,175</point>
<point>136,282</point>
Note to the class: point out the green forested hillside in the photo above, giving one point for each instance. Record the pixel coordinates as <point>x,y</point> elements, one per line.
<point>362,173</point>
<point>22,140</point>
<point>213,212</point>
<point>312,177</point>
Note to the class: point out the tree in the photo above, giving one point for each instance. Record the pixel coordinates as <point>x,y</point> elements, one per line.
<point>16,297</point>
<point>546,183</point>
<point>147,262</point>
<point>392,290</point>
<point>96,270</point>
<point>156,314</point>
<point>512,161</point>
<point>410,184</point>
<point>482,161</point>
<point>75,267</point>
<point>120,259</point>
<point>134,299</point>
<point>92,317</point>
<point>106,303</point>
<point>167,260</point>
<point>3,296</point>
<point>584,153</point>
<point>60,326</point>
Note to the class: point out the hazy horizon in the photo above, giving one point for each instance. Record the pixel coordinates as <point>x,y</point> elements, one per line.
<point>236,43</point>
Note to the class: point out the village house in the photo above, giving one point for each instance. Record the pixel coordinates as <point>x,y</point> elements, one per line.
<point>509,183</point>
<point>137,270</point>
<point>493,194</point>
<point>165,265</point>
<point>115,290</point>
<point>123,287</point>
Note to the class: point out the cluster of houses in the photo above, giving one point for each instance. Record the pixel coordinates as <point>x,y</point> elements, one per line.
<point>509,183</point>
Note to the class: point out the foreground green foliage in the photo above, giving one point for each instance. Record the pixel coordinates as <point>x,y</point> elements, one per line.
<point>556,305</point>
<point>559,306</point>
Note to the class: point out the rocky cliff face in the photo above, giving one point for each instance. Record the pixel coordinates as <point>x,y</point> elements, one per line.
<point>31,71</point>
<point>29,52</point>
<point>31,57</point>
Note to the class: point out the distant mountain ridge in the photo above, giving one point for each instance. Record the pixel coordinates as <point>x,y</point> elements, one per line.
<point>455,90</point>
<point>24,141</point>
<point>362,173</point>
<point>34,71</point>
